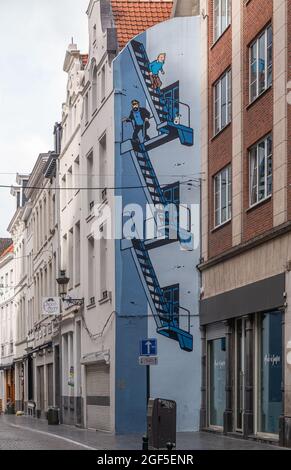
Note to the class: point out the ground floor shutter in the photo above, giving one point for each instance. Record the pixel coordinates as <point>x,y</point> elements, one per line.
<point>98,397</point>
<point>50,389</point>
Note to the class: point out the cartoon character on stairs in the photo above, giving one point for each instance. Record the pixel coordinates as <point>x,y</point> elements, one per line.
<point>156,67</point>
<point>139,117</point>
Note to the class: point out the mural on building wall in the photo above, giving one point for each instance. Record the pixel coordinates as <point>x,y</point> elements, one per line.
<point>164,115</point>
<point>157,171</point>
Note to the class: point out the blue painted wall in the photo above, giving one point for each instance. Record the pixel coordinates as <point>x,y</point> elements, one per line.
<point>172,161</point>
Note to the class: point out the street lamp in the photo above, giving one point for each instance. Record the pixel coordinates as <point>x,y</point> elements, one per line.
<point>63,282</point>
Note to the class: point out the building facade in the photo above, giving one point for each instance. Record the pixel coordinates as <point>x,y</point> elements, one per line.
<point>70,218</point>
<point>17,230</point>
<point>245,317</point>
<point>111,26</point>
<point>7,325</point>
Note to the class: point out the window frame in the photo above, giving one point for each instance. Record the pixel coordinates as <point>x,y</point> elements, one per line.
<point>217,102</point>
<point>228,205</point>
<point>268,65</point>
<point>267,156</point>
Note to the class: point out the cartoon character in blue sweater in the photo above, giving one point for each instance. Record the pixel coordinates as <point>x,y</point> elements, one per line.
<point>156,67</point>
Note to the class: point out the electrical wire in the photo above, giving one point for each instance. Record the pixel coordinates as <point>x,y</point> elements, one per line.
<point>87,188</point>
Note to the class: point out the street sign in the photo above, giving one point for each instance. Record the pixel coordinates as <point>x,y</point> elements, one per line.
<point>148,347</point>
<point>148,360</point>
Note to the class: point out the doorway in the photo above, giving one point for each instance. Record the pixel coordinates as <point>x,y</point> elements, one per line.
<point>239,373</point>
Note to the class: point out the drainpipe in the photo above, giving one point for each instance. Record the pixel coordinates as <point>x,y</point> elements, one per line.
<point>58,133</point>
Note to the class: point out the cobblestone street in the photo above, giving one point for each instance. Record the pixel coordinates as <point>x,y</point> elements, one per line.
<point>24,433</point>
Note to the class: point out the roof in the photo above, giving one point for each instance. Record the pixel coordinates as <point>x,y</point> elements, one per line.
<point>8,250</point>
<point>84,59</point>
<point>133,17</point>
<point>5,244</point>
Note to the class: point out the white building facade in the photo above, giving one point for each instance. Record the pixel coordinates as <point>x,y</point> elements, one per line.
<point>7,328</point>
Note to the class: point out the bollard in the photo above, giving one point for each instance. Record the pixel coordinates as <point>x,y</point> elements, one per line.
<point>170,446</point>
<point>145,443</point>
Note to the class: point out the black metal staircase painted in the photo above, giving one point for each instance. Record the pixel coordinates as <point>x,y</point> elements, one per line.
<point>156,101</point>
<point>166,322</point>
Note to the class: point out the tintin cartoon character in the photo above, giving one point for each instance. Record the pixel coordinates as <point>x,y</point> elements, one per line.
<point>140,120</point>
<point>155,68</point>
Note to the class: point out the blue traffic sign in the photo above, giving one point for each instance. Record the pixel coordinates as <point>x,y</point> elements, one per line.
<point>148,347</point>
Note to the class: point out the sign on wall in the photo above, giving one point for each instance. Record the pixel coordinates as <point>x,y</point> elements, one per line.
<point>51,306</point>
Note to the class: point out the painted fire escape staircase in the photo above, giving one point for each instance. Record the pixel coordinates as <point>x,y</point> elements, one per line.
<point>167,323</point>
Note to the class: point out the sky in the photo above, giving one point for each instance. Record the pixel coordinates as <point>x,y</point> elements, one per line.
<point>34,35</point>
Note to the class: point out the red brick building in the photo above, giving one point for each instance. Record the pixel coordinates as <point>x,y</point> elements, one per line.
<point>246,218</point>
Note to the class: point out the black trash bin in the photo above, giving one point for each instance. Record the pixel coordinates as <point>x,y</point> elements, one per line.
<point>53,416</point>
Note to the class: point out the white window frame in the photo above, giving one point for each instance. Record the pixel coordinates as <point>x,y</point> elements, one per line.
<point>220,31</point>
<point>267,156</point>
<point>217,102</point>
<point>218,177</point>
<point>268,65</point>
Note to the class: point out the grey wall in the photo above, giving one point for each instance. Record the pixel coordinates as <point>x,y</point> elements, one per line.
<point>186,8</point>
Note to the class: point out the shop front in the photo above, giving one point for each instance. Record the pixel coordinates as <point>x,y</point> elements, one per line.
<point>243,360</point>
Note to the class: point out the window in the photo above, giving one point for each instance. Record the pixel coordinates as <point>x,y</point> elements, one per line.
<point>217,381</point>
<point>90,181</point>
<point>171,296</point>
<point>77,176</point>
<point>77,254</point>
<point>91,269</point>
<point>261,51</point>
<point>261,170</point>
<point>270,372</point>
<point>172,196</point>
<point>222,16</point>
<point>94,89</point>
<point>71,258</point>
<point>70,184</point>
<point>102,166</point>
<point>222,196</point>
<point>103,82</point>
<point>86,108</point>
<point>222,102</point>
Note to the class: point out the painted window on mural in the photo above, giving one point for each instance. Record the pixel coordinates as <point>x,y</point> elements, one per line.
<point>261,63</point>
<point>222,196</point>
<point>171,295</point>
<point>222,16</point>
<point>261,171</point>
<point>172,197</point>
<point>222,102</point>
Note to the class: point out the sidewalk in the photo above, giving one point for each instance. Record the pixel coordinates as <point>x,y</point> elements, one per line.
<point>106,441</point>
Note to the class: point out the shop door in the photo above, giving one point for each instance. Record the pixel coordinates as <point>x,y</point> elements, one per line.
<point>50,395</point>
<point>98,397</point>
<point>239,372</point>
<point>40,387</point>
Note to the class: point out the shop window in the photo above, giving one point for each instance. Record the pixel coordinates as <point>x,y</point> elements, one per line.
<point>270,372</point>
<point>217,377</point>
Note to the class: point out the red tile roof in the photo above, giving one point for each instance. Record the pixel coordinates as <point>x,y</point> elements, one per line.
<point>132,17</point>
<point>6,246</point>
<point>84,59</point>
